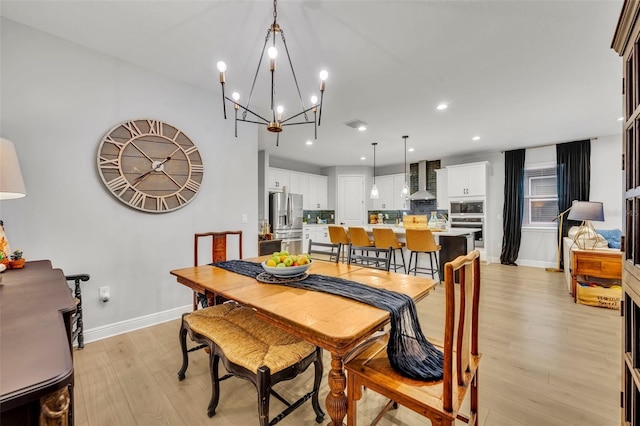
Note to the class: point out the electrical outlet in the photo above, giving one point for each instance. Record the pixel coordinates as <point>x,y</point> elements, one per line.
<point>245,218</point>
<point>105,294</point>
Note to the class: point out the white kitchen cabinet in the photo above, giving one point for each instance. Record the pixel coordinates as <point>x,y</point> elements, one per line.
<point>299,184</point>
<point>399,202</point>
<point>385,191</point>
<point>316,196</point>
<point>317,233</point>
<point>389,188</point>
<point>278,179</point>
<point>442,189</point>
<point>467,180</point>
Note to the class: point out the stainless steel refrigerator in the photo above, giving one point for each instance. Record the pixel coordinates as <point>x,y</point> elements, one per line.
<point>285,215</point>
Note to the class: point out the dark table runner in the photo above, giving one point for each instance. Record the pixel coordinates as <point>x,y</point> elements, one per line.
<point>408,350</point>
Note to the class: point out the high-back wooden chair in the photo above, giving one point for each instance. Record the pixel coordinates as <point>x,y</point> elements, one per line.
<point>338,235</point>
<point>218,252</point>
<point>440,400</point>
<point>386,238</point>
<point>422,241</point>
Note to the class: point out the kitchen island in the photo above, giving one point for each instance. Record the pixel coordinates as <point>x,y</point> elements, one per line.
<point>454,242</point>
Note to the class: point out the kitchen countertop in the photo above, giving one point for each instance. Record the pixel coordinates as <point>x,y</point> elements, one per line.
<point>400,230</point>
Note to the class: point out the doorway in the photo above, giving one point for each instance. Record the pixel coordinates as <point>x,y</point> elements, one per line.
<point>351,208</point>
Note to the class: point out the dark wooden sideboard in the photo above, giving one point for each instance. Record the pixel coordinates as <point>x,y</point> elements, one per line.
<point>36,358</point>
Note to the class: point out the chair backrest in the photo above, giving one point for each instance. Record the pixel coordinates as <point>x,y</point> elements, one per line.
<point>421,240</point>
<point>370,257</point>
<point>463,341</point>
<point>385,238</point>
<point>324,251</point>
<point>358,237</point>
<point>218,245</point>
<point>337,234</point>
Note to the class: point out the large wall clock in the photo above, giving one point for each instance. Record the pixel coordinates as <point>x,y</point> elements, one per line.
<point>150,165</point>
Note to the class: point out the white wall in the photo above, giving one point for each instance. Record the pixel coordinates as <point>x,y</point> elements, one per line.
<point>58,101</point>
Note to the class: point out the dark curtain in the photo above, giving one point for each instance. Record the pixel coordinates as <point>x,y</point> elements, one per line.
<point>574,177</point>
<point>513,205</point>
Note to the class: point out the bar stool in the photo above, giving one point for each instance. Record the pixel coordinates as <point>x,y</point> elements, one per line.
<point>338,235</point>
<point>422,241</point>
<point>359,237</point>
<point>385,238</point>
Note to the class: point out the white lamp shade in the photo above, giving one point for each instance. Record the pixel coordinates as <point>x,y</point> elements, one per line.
<point>374,192</point>
<point>11,182</point>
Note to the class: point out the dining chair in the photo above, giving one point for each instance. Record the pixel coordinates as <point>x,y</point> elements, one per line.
<point>370,257</point>
<point>422,241</point>
<point>439,400</point>
<point>217,253</point>
<point>254,350</point>
<point>386,238</point>
<point>338,235</point>
<point>324,251</point>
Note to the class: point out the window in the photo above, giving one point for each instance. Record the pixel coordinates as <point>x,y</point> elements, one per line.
<point>540,197</point>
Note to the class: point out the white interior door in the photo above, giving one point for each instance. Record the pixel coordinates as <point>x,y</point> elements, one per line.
<point>351,200</point>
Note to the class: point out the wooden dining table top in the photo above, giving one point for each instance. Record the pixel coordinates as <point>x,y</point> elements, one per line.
<point>333,322</point>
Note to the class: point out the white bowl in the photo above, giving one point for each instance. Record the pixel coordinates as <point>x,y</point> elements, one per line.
<point>286,272</point>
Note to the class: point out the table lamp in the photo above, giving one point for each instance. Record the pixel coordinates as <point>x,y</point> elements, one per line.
<point>11,182</point>
<point>586,211</point>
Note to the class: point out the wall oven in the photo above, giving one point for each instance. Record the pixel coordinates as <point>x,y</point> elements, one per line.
<point>468,214</point>
<point>476,223</point>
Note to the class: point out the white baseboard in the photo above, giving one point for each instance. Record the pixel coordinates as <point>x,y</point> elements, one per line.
<point>102,332</point>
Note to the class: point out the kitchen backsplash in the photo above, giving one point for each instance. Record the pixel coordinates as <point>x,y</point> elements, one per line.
<point>325,216</point>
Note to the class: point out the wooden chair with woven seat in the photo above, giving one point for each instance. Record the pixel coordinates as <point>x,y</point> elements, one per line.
<point>386,238</point>
<point>422,241</point>
<point>218,253</point>
<point>254,350</point>
<point>338,235</point>
<point>440,400</point>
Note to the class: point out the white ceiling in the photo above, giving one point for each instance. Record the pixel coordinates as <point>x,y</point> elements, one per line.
<point>516,73</point>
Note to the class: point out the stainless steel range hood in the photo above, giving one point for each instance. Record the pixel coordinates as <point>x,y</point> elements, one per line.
<point>422,193</point>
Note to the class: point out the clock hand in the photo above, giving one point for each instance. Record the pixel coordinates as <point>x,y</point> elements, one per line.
<point>142,152</point>
<point>155,166</point>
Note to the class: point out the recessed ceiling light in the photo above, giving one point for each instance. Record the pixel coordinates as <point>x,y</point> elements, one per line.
<point>411,149</point>
<point>362,128</point>
<point>475,138</point>
<point>309,143</point>
<point>621,118</point>
<point>363,158</point>
<point>442,106</point>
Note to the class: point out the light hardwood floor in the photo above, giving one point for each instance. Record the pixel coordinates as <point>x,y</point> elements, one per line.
<point>546,361</point>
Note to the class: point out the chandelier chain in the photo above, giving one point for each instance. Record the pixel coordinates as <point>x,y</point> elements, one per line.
<point>275,11</point>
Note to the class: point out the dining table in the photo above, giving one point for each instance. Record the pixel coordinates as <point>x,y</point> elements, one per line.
<point>335,323</point>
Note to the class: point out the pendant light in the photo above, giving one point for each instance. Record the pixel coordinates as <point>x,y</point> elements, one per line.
<point>405,188</point>
<point>374,189</point>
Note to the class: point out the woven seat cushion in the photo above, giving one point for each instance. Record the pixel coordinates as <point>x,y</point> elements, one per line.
<point>246,340</point>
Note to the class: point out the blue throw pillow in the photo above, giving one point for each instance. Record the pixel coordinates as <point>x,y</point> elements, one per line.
<point>612,236</point>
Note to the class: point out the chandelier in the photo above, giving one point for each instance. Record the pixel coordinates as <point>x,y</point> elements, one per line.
<point>276,122</point>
